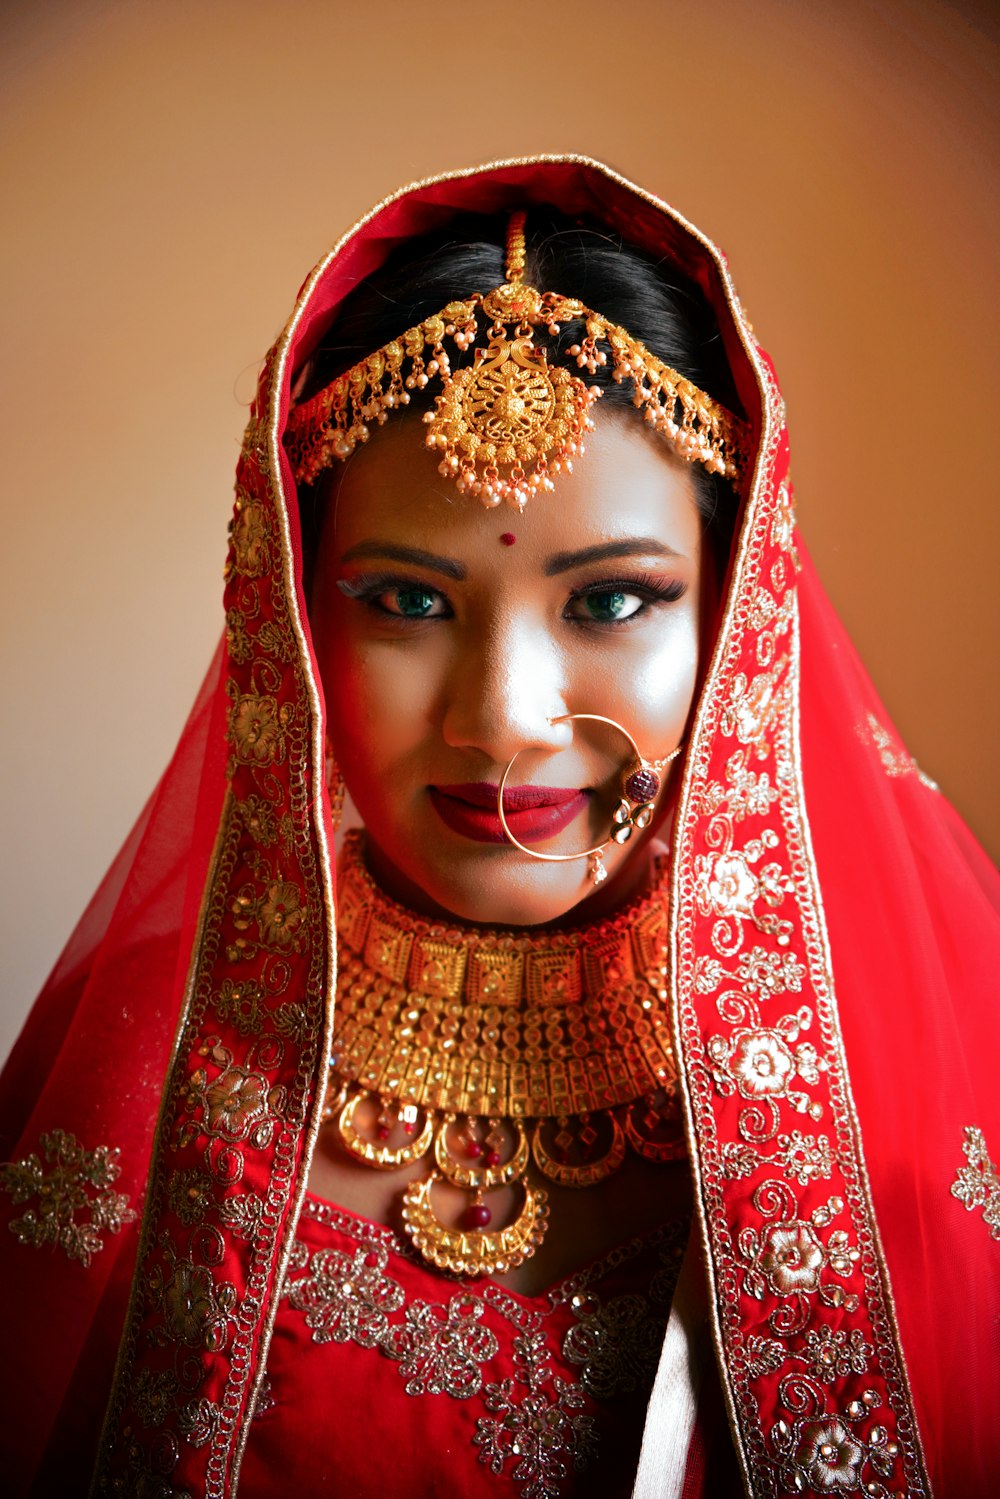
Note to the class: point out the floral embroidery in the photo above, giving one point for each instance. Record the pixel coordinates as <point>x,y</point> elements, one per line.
<point>827,1453</point>
<point>235,1102</point>
<point>803,1158</point>
<point>249,537</point>
<point>977,1185</point>
<point>764,1355</point>
<point>242,1213</point>
<point>292,1022</point>
<point>544,1433</point>
<point>618,1345</point>
<point>441,1348</point>
<point>783,524</point>
<point>238,1104</point>
<point>895,759</point>
<point>770,1239</point>
<point>241,1003</point>
<point>761,1063</point>
<point>280,915</point>
<point>257,728</point>
<point>748,793</point>
<point>833,1354</point>
<point>239,644</point>
<point>768,974</point>
<point>753,705</point>
<point>190,1195</point>
<point>789,1258</point>
<point>197,1311</point>
<point>79,1181</point>
<point>198,1420</point>
<point>726,886</point>
<point>347,1298</point>
<point>260,820</point>
<point>280,918</point>
<point>540,1425</point>
<point>154,1396</point>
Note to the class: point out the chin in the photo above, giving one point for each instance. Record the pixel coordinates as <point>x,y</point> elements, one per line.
<point>508,891</point>
<point>493,886</point>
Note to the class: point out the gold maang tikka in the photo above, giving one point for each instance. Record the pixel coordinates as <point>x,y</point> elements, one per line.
<point>505,426</point>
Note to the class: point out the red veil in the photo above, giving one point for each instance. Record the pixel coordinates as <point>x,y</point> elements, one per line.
<point>831,928</point>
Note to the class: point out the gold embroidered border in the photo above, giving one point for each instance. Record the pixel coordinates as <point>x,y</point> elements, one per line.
<point>740,1265</point>
<point>255,1100</point>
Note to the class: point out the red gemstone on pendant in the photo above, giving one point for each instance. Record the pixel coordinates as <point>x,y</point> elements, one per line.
<point>642,785</point>
<point>492,1158</point>
<point>477,1216</point>
<point>473,1149</point>
<point>382,1131</point>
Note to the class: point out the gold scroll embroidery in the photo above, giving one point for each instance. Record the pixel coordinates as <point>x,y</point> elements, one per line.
<point>977,1185</point>
<point>79,1181</point>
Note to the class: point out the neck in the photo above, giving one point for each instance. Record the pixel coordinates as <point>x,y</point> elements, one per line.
<point>634,878</point>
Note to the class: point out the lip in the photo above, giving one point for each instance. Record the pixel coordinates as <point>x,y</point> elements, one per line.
<point>533,813</point>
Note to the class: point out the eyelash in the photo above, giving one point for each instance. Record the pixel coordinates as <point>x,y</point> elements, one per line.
<point>368,589</point>
<point>651,590</point>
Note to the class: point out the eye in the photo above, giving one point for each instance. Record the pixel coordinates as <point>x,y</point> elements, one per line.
<point>616,601</point>
<point>412,602</point>
<point>608,606</point>
<point>401,598</point>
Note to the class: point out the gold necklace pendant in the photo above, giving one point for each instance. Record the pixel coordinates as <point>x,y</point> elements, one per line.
<point>586,1172</point>
<point>496,1056</point>
<point>382,1157</point>
<point>480,1178</point>
<point>474,1251</point>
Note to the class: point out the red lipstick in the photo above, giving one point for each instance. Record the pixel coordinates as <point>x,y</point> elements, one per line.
<point>533,813</point>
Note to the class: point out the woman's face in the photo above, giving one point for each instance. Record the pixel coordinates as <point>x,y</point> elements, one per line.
<point>451,637</point>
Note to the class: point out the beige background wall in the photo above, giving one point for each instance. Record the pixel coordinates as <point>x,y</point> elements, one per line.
<point>171,170</point>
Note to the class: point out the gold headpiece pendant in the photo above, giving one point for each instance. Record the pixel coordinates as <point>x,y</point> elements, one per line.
<point>508,423</point>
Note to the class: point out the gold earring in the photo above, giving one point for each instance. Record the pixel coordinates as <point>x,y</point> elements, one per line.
<point>641,784</point>
<point>335,786</point>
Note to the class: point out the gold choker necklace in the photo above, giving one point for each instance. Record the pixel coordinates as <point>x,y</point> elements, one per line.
<point>504,1056</point>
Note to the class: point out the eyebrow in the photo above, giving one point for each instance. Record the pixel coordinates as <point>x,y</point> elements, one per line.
<point>629,546</point>
<point>392,552</point>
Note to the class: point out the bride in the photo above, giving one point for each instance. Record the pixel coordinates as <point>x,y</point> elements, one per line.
<point>532,1041</point>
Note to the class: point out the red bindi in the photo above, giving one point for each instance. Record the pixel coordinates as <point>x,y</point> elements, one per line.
<point>508,538</point>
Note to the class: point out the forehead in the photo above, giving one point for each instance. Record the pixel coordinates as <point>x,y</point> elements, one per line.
<point>627,483</point>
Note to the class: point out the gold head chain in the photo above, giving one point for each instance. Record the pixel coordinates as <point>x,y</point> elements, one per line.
<point>507,424</point>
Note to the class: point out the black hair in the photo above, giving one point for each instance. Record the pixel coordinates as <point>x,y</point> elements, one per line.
<point>576,258</point>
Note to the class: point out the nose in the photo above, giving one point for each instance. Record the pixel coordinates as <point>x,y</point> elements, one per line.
<point>506,686</point>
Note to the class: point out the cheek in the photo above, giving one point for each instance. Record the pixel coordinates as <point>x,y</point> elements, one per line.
<point>655,687</point>
<point>378,702</point>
